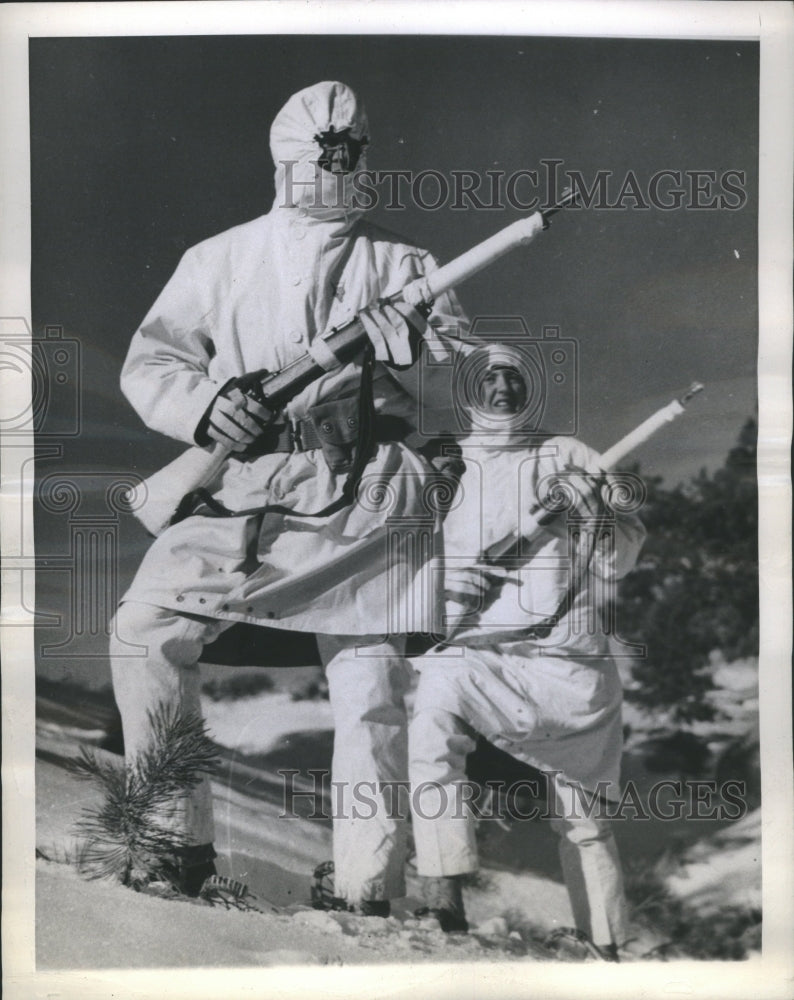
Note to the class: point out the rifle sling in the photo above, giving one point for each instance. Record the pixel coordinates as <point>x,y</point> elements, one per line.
<point>202,502</point>
<point>542,630</point>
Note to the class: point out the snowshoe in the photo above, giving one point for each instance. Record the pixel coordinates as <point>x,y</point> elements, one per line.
<point>573,945</point>
<point>230,892</point>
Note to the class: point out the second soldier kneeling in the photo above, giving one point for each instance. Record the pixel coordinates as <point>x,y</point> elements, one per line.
<point>526,667</point>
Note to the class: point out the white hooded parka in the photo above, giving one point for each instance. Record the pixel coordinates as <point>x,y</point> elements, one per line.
<point>256,297</point>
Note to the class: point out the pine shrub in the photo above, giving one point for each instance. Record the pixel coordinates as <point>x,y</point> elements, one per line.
<point>127,837</point>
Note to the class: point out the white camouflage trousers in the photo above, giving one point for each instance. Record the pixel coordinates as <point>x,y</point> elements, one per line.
<point>444,822</point>
<point>366,683</point>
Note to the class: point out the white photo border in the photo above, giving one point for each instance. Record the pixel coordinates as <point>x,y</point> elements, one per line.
<point>770,23</point>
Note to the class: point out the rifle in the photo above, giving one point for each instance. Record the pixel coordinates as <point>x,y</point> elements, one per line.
<point>163,491</point>
<point>539,516</point>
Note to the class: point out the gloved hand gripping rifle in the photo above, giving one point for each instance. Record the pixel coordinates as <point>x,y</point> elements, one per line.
<point>162,492</point>
<point>512,545</point>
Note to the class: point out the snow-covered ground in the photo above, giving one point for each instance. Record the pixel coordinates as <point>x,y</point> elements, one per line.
<point>519,898</point>
<point>274,856</point>
<point>259,724</point>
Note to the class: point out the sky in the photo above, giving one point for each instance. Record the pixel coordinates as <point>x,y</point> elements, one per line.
<point>142,147</point>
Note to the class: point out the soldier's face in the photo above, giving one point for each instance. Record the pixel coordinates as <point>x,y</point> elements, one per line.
<point>341,151</point>
<point>504,390</point>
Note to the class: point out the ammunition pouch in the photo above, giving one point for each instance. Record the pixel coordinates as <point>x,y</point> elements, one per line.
<point>336,430</point>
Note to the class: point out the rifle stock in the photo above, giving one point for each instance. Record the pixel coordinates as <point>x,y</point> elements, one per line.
<point>193,468</point>
<point>163,490</point>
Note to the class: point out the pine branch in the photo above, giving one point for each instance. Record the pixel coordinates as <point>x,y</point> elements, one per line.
<point>88,767</point>
<point>180,755</point>
<point>127,836</point>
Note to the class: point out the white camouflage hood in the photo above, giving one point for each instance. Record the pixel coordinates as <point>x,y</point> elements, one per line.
<point>300,182</point>
<point>501,428</point>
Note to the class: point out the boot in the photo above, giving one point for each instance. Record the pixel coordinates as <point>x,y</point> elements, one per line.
<point>323,897</point>
<point>444,898</point>
<point>194,865</point>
